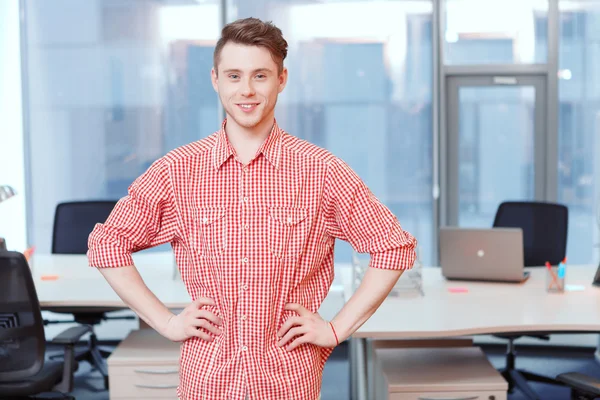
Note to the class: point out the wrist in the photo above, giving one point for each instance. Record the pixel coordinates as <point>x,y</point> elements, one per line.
<point>163,326</point>
<point>335,334</point>
<point>341,331</point>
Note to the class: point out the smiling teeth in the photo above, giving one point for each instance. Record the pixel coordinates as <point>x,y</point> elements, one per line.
<point>247,105</point>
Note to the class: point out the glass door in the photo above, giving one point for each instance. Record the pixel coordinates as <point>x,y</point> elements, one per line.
<point>495,145</point>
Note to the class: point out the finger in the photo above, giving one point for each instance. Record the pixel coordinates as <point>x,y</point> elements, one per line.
<point>202,323</point>
<point>204,301</point>
<point>299,341</point>
<point>303,312</point>
<point>193,332</point>
<point>205,314</point>
<point>292,333</point>
<point>292,321</point>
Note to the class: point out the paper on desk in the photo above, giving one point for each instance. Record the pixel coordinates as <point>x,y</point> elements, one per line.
<point>574,288</point>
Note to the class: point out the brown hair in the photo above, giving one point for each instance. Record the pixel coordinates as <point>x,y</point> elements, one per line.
<point>253,32</point>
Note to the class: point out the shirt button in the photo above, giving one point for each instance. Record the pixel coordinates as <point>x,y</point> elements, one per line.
<point>205,220</point>
<point>245,199</point>
<point>246,226</point>
<point>244,287</point>
<point>244,348</point>
<point>244,260</point>
<point>243,317</point>
<point>289,220</point>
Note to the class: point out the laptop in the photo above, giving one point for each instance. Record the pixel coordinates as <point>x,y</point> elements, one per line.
<point>493,254</point>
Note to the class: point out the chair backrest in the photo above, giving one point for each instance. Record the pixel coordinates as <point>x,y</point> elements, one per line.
<point>22,339</point>
<point>73,223</point>
<point>545,228</point>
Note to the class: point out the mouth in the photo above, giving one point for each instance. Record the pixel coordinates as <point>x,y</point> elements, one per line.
<point>247,107</point>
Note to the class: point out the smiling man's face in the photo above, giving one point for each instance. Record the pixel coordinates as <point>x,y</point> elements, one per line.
<point>248,83</point>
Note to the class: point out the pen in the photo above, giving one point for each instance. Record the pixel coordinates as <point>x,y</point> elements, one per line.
<point>561,268</point>
<point>549,266</point>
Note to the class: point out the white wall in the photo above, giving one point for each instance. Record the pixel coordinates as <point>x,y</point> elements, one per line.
<point>12,172</point>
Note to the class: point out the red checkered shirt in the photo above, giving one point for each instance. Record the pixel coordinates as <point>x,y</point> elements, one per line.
<point>253,238</point>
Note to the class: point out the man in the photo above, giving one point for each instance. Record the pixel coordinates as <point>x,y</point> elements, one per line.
<point>252,214</point>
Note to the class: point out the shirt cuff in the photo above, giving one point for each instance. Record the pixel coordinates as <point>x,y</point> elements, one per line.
<point>107,257</point>
<point>401,258</point>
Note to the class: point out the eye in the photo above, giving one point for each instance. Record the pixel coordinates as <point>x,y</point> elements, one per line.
<point>234,76</point>
<point>261,76</point>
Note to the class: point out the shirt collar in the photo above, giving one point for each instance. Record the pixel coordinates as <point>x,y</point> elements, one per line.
<point>270,148</point>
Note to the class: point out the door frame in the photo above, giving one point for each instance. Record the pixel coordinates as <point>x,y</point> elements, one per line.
<point>453,85</point>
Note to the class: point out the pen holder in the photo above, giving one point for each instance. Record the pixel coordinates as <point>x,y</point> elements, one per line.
<point>555,279</point>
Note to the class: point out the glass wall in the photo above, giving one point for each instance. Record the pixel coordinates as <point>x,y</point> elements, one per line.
<point>114,85</point>
<point>579,126</point>
<point>495,32</point>
<point>360,85</point>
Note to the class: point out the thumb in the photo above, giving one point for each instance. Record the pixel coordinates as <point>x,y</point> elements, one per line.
<point>299,309</point>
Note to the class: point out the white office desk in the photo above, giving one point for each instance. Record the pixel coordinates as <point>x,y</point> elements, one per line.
<point>485,309</point>
<point>79,286</point>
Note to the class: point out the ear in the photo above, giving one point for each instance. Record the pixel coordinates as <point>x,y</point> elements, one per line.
<point>283,77</point>
<point>214,79</point>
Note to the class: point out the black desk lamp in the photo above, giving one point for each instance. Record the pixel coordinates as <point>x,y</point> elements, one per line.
<point>6,192</point>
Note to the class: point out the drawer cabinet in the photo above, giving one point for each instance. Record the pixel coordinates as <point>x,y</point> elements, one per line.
<point>144,366</point>
<point>449,396</point>
<point>458,373</point>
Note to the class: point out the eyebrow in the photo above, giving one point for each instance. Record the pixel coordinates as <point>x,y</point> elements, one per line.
<point>227,71</point>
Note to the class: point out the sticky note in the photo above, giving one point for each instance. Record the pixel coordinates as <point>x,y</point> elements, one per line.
<point>458,290</point>
<point>49,277</point>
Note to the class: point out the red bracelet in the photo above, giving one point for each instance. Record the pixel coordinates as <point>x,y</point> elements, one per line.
<point>337,341</point>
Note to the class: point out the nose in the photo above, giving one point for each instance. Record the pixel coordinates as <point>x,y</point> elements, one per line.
<point>247,88</point>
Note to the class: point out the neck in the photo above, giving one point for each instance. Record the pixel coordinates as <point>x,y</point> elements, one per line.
<point>247,141</point>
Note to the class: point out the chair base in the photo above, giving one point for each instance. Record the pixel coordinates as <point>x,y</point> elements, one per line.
<point>518,379</point>
<point>96,358</point>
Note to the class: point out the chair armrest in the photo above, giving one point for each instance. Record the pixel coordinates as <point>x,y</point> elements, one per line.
<point>69,338</point>
<point>71,335</point>
<point>581,382</point>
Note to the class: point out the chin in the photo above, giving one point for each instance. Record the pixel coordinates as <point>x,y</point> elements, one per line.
<point>248,122</point>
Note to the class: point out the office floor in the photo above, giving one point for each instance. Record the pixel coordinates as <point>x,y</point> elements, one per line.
<point>88,386</point>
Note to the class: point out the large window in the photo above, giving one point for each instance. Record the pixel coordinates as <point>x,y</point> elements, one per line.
<point>360,85</point>
<point>113,85</point>
<point>579,126</point>
<point>495,32</point>
<point>12,211</point>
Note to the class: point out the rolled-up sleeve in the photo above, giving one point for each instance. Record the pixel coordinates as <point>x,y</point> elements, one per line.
<point>353,214</point>
<point>145,218</point>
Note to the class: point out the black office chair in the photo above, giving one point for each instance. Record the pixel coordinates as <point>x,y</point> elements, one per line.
<point>73,223</point>
<point>545,227</point>
<point>24,372</point>
<point>583,387</point>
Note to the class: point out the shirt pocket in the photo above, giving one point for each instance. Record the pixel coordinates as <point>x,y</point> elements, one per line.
<point>210,231</point>
<point>288,230</point>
